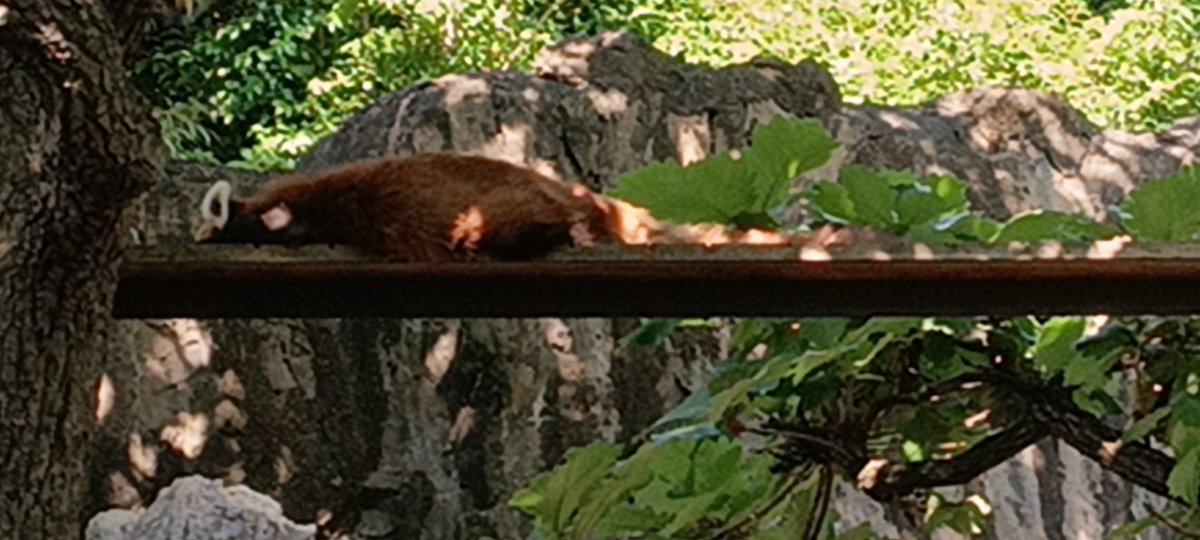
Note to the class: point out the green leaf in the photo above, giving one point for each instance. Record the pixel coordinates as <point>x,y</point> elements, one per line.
<point>697,432</point>
<point>1186,410</point>
<point>1056,344</point>
<point>931,200</point>
<point>630,476</point>
<point>693,408</point>
<point>780,151</point>
<point>823,333</point>
<point>1143,427</point>
<point>1184,481</point>
<point>720,189</point>
<point>872,196</point>
<point>832,203</point>
<point>630,519</point>
<point>1042,226</point>
<point>712,191</point>
<point>1182,438</point>
<point>941,359</point>
<point>1132,530</point>
<point>1165,210</point>
<point>913,452</point>
<point>555,496</point>
<point>651,333</point>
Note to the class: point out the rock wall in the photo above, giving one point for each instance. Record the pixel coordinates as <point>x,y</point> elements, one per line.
<point>424,428</point>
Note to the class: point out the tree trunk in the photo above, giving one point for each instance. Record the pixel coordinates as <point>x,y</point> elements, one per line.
<point>75,148</point>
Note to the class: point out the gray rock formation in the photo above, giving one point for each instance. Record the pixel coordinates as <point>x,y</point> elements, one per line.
<point>353,418</point>
<point>193,507</point>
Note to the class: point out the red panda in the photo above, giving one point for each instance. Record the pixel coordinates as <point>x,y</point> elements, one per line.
<point>437,207</point>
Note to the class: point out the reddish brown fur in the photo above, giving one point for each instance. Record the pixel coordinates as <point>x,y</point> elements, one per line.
<point>438,207</point>
<point>408,208</point>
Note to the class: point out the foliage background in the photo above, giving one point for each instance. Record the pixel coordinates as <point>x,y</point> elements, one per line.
<point>254,83</point>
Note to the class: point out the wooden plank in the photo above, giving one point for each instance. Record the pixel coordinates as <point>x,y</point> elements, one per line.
<point>245,282</point>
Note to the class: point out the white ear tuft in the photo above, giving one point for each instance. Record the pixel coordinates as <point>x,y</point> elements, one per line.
<point>277,218</point>
<point>221,191</point>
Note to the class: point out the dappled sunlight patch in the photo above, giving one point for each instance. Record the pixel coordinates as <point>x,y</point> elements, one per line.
<point>194,341</point>
<point>188,435</point>
<point>459,88</point>
<point>691,137</point>
<point>869,476</point>
<point>608,103</point>
<point>1110,248</point>
<point>143,458</point>
<point>285,466</point>
<point>544,167</point>
<point>231,386</point>
<point>978,419</point>
<point>121,492</point>
<point>180,347</point>
<point>558,338</point>
<point>229,415</point>
<point>511,143</point>
<point>441,355</point>
<point>106,398</point>
<point>464,424</point>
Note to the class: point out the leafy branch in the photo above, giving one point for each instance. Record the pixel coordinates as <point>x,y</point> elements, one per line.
<point>899,406</point>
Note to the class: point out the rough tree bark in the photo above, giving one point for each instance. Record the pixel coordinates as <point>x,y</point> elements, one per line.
<point>75,148</point>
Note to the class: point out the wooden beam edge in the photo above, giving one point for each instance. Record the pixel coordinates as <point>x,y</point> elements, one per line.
<point>316,281</point>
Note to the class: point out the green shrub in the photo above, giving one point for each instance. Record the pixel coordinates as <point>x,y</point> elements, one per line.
<point>254,83</point>
<point>1132,68</point>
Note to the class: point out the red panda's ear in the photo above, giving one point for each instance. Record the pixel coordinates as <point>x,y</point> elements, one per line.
<point>277,218</point>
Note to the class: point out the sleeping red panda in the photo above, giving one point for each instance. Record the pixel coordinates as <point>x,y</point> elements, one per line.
<point>439,207</point>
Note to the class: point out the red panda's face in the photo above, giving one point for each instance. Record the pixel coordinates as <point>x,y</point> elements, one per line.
<point>226,221</point>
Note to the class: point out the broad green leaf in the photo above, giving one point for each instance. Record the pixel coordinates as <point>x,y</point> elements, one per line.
<point>1165,210</point>
<point>650,333</point>
<point>1184,481</point>
<point>1056,345</point>
<point>1186,410</point>
<point>721,189</point>
<point>930,200</point>
<point>693,408</point>
<point>781,150</point>
<point>873,199</point>
<point>696,508</point>
<point>1042,226</point>
<point>555,496</point>
<point>974,228</point>
<point>1182,438</point>
<point>1143,427</point>
<point>697,432</point>
<point>823,333</point>
<point>630,519</point>
<point>715,190</point>
<point>941,358</point>
<point>832,203</point>
<point>913,452</point>
<point>629,476</point>
<point>1111,340</point>
<point>729,398</point>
